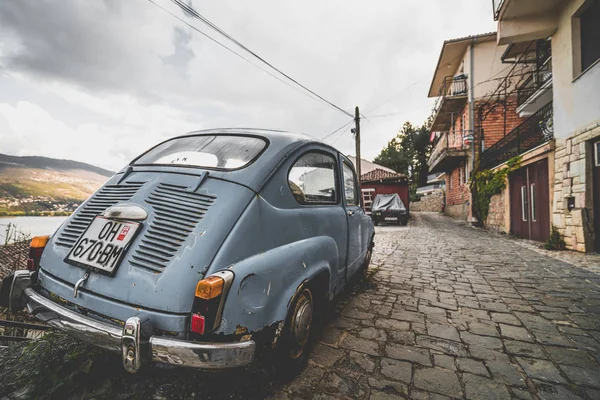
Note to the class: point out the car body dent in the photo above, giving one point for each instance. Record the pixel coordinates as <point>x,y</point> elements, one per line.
<point>265,283</point>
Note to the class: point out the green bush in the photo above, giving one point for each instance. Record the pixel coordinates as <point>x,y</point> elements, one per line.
<point>556,240</point>
<point>487,183</point>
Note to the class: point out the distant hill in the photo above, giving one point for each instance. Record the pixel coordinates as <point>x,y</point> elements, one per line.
<point>33,185</point>
<point>50,163</point>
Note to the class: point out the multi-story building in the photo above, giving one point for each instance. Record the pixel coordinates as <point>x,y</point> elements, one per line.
<point>474,110</point>
<point>560,97</point>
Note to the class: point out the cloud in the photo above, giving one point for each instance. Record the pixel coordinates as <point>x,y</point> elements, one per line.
<point>133,69</point>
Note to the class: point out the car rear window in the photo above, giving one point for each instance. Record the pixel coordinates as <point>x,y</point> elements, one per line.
<point>207,151</point>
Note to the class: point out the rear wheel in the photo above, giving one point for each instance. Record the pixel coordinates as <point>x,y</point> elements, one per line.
<point>294,347</point>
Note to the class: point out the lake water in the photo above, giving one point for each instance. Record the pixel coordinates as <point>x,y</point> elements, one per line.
<point>34,226</point>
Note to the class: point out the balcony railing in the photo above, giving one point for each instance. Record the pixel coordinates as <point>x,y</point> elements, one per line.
<point>534,131</point>
<point>497,5</point>
<point>534,82</point>
<point>448,142</point>
<point>452,95</point>
<point>453,86</point>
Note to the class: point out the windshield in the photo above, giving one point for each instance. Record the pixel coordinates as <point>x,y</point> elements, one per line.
<point>212,151</point>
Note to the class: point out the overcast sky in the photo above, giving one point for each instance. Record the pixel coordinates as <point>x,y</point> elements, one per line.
<point>101,81</point>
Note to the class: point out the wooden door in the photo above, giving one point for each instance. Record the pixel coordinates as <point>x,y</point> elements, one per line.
<point>596,187</point>
<point>530,202</point>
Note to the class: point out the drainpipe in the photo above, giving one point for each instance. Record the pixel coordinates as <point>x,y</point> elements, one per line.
<point>472,101</point>
<point>472,111</point>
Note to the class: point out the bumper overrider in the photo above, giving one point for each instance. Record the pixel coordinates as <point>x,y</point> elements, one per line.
<point>135,347</point>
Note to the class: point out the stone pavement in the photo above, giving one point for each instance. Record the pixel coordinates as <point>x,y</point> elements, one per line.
<point>456,312</point>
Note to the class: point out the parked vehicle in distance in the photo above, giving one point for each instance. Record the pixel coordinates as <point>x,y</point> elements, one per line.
<point>209,250</point>
<point>388,208</point>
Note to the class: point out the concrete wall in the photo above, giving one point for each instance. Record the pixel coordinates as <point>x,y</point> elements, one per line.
<point>576,97</point>
<point>459,211</point>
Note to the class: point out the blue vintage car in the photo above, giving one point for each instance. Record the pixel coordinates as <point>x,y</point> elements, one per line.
<point>209,250</point>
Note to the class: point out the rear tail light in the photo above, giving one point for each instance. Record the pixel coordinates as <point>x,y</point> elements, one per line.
<point>36,248</point>
<point>209,301</point>
<point>198,324</point>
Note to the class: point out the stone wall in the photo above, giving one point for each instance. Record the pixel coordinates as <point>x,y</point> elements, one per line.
<point>496,219</point>
<point>431,203</point>
<point>573,178</point>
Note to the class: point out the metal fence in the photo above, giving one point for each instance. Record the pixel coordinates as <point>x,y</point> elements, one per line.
<point>535,81</point>
<point>453,86</point>
<point>448,141</point>
<point>533,132</point>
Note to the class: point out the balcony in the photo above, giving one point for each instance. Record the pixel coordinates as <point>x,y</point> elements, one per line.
<point>536,91</point>
<point>520,21</point>
<point>533,132</point>
<point>448,152</point>
<point>452,98</point>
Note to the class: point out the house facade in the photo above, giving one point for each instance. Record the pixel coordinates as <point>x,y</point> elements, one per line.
<point>561,97</point>
<point>475,109</point>
<point>376,179</point>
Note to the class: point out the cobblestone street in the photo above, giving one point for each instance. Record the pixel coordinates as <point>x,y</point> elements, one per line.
<point>453,311</point>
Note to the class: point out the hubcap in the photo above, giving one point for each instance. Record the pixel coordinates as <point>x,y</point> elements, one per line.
<point>301,324</point>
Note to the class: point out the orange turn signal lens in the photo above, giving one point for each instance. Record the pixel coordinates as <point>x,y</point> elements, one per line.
<point>210,287</point>
<point>39,242</point>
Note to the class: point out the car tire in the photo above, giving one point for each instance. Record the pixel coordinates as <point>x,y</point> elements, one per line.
<point>291,354</point>
<point>375,222</point>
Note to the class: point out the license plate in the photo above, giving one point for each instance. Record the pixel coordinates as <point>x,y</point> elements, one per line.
<point>103,244</point>
<point>391,219</point>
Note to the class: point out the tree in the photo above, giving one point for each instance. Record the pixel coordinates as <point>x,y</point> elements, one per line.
<point>407,153</point>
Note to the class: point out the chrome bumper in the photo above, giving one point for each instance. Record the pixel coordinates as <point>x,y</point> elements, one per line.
<point>157,348</point>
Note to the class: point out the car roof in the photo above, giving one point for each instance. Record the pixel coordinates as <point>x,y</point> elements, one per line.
<point>283,137</point>
<point>281,144</point>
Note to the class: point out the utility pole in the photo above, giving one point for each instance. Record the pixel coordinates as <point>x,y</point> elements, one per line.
<point>357,143</point>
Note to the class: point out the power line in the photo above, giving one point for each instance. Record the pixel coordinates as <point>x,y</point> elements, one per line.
<point>190,11</point>
<point>396,94</point>
<point>337,130</point>
<point>338,137</point>
<point>234,52</point>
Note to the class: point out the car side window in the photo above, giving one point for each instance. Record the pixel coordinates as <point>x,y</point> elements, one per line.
<point>350,186</point>
<point>312,179</point>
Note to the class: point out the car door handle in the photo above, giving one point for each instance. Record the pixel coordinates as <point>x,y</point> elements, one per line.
<point>351,213</point>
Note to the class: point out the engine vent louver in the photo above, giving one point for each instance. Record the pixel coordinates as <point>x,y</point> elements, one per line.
<point>108,196</point>
<point>176,212</point>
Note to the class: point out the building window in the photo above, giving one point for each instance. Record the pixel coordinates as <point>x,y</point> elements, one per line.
<point>597,153</point>
<point>586,36</point>
<point>590,34</point>
<point>524,203</point>
<point>312,179</point>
